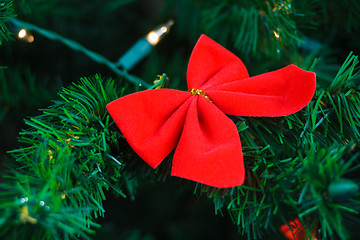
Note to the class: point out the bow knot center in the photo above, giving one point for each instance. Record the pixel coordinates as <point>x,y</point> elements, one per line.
<point>199,92</point>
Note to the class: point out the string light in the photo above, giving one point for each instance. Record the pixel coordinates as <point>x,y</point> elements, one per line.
<point>24,200</point>
<point>143,46</point>
<point>22,33</point>
<point>30,39</point>
<point>276,34</point>
<point>154,36</point>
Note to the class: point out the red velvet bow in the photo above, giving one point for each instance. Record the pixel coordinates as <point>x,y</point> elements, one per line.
<point>207,142</point>
<point>296,230</point>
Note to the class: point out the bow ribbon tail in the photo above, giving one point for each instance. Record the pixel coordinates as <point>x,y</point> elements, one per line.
<point>209,150</point>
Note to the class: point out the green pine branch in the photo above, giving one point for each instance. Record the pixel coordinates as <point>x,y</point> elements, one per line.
<point>19,92</point>
<point>6,12</point>
<point>64,167</point>
<point>291,161</point>
<point>72,153</point>
<point>265,27</point>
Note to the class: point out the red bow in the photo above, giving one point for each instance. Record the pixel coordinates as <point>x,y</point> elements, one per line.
<point>208,148</point>
<point>294,230</point>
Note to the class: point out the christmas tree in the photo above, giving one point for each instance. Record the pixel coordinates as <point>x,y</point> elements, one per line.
<point>67,172</point>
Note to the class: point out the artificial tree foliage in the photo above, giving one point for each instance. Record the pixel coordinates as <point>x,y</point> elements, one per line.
<point>72,152</point>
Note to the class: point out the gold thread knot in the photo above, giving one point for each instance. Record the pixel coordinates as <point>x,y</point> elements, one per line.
<point>199,92</point>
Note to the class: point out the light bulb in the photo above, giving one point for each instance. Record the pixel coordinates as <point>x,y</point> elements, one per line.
<point>154,36</point>
<point>143,46</point>
<point>276,34</point>
<point>22,33</point>
<point>30,39</point>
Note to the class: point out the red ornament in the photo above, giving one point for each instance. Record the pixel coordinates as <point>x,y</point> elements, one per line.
<point>208,148</point>
<point>295,232</point>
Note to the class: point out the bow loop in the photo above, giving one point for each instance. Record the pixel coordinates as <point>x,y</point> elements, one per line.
<point>211,64</point>
<point>271,94</point>
<point>151,121</point>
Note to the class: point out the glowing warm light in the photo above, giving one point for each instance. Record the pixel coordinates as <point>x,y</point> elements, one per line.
<point>30,39</point>
<point>153,38</point>
<point>22,33</point>
<point>276,34</point>
<point>143,46</point>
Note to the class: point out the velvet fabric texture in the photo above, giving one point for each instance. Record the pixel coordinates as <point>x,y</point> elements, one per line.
<point>208,148</point>
<point>294,230</point>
